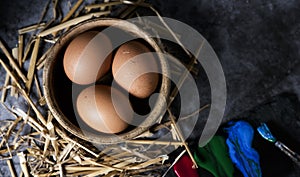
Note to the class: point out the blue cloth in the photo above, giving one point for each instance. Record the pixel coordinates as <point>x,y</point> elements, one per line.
<point>239,142</point>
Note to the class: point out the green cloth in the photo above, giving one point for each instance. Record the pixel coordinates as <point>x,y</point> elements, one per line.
<point>214,158</point>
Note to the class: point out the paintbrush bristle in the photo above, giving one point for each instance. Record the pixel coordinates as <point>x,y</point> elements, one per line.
<point>265,132</point>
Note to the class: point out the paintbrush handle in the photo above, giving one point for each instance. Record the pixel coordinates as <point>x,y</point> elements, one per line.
<point>293,155</point>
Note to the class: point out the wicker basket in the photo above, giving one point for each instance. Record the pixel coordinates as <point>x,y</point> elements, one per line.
<point>58,89</point>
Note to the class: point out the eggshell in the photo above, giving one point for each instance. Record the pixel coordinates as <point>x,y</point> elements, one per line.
<point>97,110</point>
<point>87,57</point>
<point>136,73</point>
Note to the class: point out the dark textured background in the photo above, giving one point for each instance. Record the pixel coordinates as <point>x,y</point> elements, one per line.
<point>258,44</point>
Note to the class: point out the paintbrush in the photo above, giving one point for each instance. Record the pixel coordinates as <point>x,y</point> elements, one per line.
<point>264,131</point>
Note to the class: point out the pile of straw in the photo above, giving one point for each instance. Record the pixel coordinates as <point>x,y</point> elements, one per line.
<point>48,150</point>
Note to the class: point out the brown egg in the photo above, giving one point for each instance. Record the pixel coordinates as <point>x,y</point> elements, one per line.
<point>136,73</point>
<point>97,109</point>
<point>87,57</point>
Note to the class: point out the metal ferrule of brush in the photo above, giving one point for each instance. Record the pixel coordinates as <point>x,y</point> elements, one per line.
<point>293,155</point>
